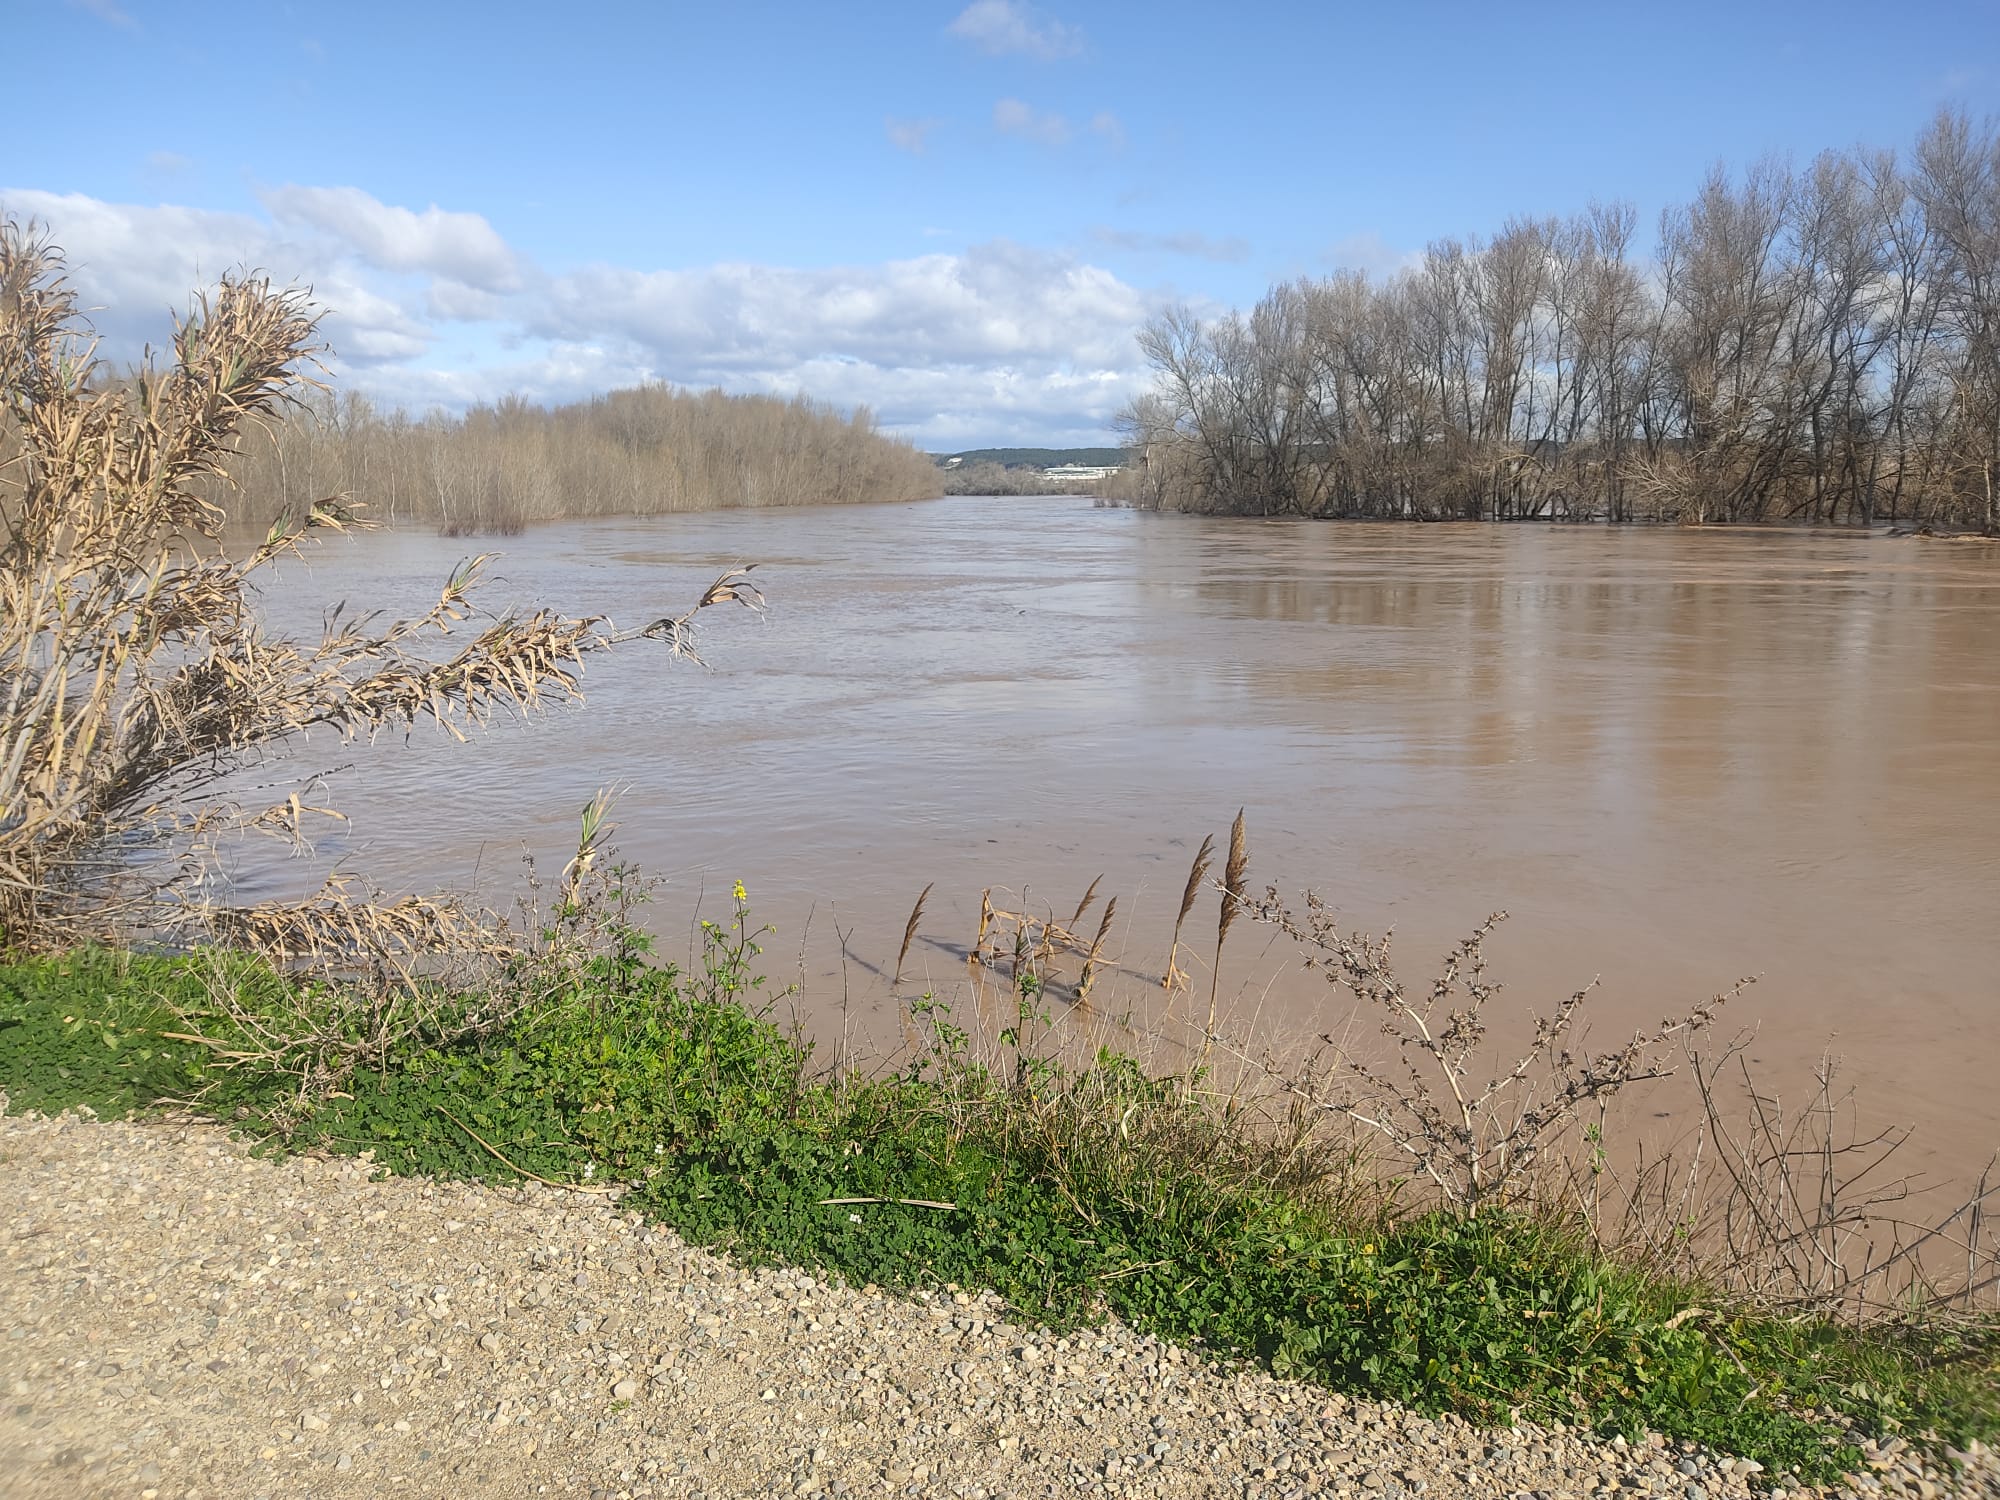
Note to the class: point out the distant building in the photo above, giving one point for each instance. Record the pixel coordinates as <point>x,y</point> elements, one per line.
<point>1078,473</point>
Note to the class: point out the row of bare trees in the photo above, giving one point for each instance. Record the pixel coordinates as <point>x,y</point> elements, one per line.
<point>642,451</point>
<point>1818,345</point>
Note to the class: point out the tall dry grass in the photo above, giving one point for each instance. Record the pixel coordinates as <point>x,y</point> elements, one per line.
<point>135,675</point>
<point>1786,1203</point>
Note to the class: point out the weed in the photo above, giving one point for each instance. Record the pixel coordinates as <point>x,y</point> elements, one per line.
<point>1076,1190</point>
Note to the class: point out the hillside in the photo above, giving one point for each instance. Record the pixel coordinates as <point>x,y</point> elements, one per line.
<point>1037,458</point>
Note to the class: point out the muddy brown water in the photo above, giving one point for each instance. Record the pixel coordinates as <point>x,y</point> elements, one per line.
<point>1676,757</point>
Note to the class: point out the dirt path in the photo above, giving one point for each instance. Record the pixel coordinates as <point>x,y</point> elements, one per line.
<point>179,1319</point>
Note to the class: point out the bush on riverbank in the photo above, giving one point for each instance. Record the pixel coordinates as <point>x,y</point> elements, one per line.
<point>1092,1189</point>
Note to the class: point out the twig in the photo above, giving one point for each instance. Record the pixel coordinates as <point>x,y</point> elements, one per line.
<point>493,1151</point>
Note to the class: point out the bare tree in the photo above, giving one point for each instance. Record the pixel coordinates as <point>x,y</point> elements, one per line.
<point>1817,345</point>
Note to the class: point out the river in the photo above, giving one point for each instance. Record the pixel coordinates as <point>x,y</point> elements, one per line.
<point>1676,757</point>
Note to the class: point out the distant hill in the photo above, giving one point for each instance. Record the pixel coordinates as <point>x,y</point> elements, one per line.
<point>1038,458</point>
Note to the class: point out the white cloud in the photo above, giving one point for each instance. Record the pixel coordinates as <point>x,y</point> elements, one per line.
<point>990,304</point>
<point>1110,128</point>
<point>1000,335</point>
<point>1000,27</point>
<point>1012,117</point>
<point>135,264</point>
<point>106,10</point>
<point>1231,248</point>
<point>910,135</point>
<point>1000,340</point>
<point>1368,251</point>
<point>462,246</point>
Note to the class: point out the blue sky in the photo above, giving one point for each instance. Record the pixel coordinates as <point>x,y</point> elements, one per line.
<point>957,214</point>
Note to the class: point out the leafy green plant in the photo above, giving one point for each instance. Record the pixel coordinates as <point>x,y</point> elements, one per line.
<point>1096,1189</point>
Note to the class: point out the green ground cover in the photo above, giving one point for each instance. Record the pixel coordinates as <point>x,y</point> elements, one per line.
<point>1075,1191</point>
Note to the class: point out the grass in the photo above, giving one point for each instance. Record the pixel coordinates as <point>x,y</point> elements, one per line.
<point>1075,1191</point>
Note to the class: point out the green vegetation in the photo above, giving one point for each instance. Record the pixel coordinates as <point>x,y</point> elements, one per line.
<point>1076,1190</point>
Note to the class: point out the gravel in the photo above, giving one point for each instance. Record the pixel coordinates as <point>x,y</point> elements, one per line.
<point>180,1319</point>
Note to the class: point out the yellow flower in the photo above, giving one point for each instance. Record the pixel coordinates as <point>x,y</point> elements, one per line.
<point>1367,1249</point>
<point>740,893</point>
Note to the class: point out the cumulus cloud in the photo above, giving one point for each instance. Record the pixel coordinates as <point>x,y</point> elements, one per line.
<point>1231,248</point>
<point>1368,251</point>
<point>1012,117</point>
<point>992,303</point>
<point>136,264</point>
<point>1001,336</point>
<point>910,135</point>
<point>459,245</point>
<point>1000,27</point>
<point>997,341</point>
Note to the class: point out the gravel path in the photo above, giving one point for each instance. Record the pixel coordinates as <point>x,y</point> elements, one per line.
<point>182,1320</point>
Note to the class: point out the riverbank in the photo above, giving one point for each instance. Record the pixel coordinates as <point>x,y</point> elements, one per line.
<point>186,1319</point>
<point>1087,1200</point>
<point>1639,742</point>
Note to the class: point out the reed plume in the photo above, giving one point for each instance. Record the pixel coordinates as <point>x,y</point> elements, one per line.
<point>1096,944</point>
<point>1234,871</point>
<point>910,932</point>
<point>134,674</point>
<point>1090,895</point>
<point>1196,871</point>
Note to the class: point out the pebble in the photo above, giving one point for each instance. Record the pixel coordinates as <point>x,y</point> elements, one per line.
<point>253,1305</point>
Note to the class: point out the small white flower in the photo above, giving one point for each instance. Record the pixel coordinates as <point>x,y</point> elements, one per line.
<point>589,1170</point>
<point>854,1218</point>
<point>660,1150</point>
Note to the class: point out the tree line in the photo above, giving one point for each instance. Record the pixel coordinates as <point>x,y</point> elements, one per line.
<point>986,477</point>
<point>1817,344</point>
<point>640,451</point>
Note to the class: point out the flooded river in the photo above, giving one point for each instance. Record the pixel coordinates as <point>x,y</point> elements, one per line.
<point>1675,757</point>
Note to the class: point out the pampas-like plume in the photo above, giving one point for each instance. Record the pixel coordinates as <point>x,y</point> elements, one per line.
<point>1096,944</point>
<point>1076,917</point>
<point>1234,871</point>
<point>1196,871</point>
<point>910,932</point>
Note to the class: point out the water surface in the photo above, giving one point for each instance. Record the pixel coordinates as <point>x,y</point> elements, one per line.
<point>1677,757</point>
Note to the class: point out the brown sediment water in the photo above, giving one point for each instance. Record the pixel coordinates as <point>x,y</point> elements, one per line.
<point>1676,757</point>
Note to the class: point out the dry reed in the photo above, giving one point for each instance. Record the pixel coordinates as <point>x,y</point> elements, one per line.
<point>910,932</point>
<point>1093,958</point>
<point>1235,870</point>
<point>1089,895</point>
<point>1175,975</point>
<point>134,675</point>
